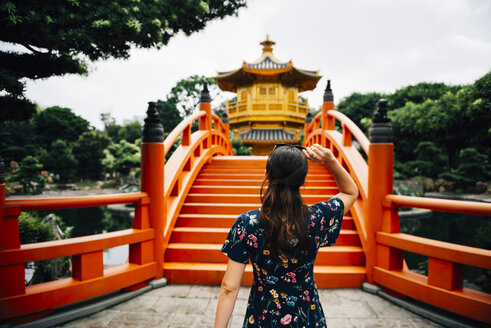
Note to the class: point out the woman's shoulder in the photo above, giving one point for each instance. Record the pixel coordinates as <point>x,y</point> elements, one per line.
<point>332,205</point>
<point>250,219</point>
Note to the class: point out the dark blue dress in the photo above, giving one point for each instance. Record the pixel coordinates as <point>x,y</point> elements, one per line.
<point>283,292</point>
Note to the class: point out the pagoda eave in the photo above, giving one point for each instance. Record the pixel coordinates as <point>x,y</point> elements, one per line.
<point>304,80</point>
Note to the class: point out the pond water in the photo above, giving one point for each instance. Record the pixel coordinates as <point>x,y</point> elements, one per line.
<point>462,229</point>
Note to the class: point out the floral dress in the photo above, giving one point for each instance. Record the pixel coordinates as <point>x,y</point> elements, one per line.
<point>283,292</point>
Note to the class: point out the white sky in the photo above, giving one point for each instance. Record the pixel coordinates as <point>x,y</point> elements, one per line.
<point>377,45</point>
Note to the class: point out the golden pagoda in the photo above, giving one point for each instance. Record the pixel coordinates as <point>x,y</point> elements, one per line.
<point>267,110</point>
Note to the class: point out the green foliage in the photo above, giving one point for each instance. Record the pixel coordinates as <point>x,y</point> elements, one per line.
<point>58,159</point>
<point>89,151</point>
<point>110,127</point>
<point>33,229</point>
<point>169,115</point>
<point>28,175</point>
<point>121,157</point>
<point>59,36</point>
<point>472,167</point>
<point>239,148</point>
<point>17,140</point>
<point>130,132</point>
<point>183,99</point>
<point>432,123</point>
<point>358,106</point>
<point>430,161</point>
<point>58,123</point>
<point>419,93</point>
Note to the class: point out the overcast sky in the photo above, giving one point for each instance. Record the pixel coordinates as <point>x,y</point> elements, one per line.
<point>363,46</point>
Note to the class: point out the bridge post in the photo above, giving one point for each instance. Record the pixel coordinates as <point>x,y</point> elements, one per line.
<point>306,130</point>
<point>205,121</point>
<point>225,121</point>
<point>152,180</point>
<point>9,239</point>
<point>380,180</point>
<point>2,191</point>
<point>328,104</point>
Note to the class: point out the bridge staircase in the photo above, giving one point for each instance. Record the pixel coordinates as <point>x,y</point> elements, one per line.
<point>189,200</point>
<point>229,186</point>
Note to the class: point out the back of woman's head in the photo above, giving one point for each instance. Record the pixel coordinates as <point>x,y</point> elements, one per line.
<point>283,210</point>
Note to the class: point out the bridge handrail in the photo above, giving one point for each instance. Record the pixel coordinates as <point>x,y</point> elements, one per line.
<point>445,260</point>
<point>350,157</point>
<point>219,125</point>
<point>438,204</point>
<point>450,252</point>
<point>72,246</point>
<point>179,129</point>
<point>86,252</point>
<point>182,168</point>
<point>355,131</point>
<point>54,203</point>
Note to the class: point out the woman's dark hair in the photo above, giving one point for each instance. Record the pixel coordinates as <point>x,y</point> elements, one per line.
<point>283,210</point>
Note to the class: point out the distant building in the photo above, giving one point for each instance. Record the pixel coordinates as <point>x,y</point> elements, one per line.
<point>267,110</point>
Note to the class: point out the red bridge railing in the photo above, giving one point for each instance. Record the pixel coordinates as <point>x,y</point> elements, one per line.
<point>164,187</point>
<point>376,217</point>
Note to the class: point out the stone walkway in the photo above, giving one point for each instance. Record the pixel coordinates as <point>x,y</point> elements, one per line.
<point>195,306</point>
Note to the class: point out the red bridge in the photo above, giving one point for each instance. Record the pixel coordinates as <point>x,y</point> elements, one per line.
<point>188,204</point>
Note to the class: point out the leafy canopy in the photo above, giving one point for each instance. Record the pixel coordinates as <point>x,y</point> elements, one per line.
<point>60,36</point>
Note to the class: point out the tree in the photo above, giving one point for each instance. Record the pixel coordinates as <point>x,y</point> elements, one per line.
<point>110,126</point>
<point>169,115</point>
<point>130,132</point>
<point>33,229</point>
<point>89,151</point>
<point>358,106</point>
<point>17,140</point>
<point>183,99</point>
<point>59,36</point>
<point>28,175</point>
<point>239,148</point>
<point>122,157</point>
<point>419,93</point>
<point>430,161</point>
<point>472,167</point>
<point>58,123</point>
<point>59,159</point>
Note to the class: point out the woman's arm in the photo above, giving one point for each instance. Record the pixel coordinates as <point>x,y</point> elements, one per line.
<point>348,191</point>
<point>228,292</point>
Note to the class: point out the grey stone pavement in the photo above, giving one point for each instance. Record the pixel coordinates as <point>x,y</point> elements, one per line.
<point>195,306</point>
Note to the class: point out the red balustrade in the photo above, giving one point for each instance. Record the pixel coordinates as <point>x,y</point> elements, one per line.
<point>376,217</point>
<point>164,186</point>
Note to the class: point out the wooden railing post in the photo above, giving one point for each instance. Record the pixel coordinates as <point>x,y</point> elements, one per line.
<point>2,195</point>
<point>328,104</point>
<point>205,121</point>
<point>226,123</point>
<point>152,180</point>
<point>306,129</point>
<point>12,276</point>
<point>380,179</point>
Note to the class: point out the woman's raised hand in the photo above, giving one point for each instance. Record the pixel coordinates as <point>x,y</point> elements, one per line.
<point>317,153</point>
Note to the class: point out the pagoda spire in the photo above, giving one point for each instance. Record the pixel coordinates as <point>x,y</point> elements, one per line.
<point>267,45</point>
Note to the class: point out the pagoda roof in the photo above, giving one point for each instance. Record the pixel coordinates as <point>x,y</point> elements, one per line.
<point>269,135</point>
<point>268,68</point>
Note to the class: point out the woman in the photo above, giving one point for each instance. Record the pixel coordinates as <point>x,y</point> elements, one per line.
<point>282,240</point>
